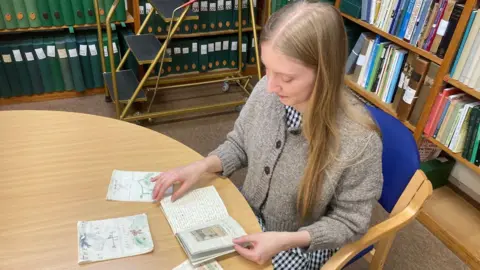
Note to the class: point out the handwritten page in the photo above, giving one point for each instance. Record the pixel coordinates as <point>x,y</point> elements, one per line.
<point>107,239</point>
<point>200,206</point>
<point>186,265</point>
<point>132,186</point>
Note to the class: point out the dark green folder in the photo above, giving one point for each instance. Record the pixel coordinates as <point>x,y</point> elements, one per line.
<point>233,56</point>
<point>56,13</point>
<point>218,53</point>
<point>10,69</point>
<point>83,54</point>
<point>9,16</point>
<point>67,11</point>
<point>229,14</point>
<point>21,13</point>
<point>62,55</point>
<point>244,51</point>
<point>212,15</point>
<point>151,26</point>
<point>102,11</point>
<point>33,14</point>
<point>131,61</point>
<point>107,5</point>
<point>252,59</point>
<point>2,23</point>
<point>5,90</point>
<point>143,14</point>
<point>177,62</point>
<point>89,11</point>
<point>235,14</point>
<point>194,53</point>
<point>195,24</point>
<point>186,27</point>
<point>96,65</point>
<point>78,12</point>
<point>186,56</point>
<point>115,49</point>
<point>43,64</point>
<point>211,53</point>
<point>159,24</point>
<point>22,70</point>
<point>44,13</point>
<point>245,13</point>
<point>203,55</point>
<point>203,16</point>
<point>75,65</point>
<point>168,66</point>
<point>225,52</point>
<point>121,12</point>
<point>222,15</point>
<point>26,47</point>
<point>54,63</point>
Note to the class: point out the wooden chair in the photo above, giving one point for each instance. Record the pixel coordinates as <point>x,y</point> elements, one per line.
<point>405,190</point>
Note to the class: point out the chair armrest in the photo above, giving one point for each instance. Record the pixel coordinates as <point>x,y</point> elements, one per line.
<point>381,230</point>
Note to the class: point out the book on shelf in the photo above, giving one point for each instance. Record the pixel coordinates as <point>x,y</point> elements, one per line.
<point>437,109</point>
<point>201,224</point>
<point>424,93</point>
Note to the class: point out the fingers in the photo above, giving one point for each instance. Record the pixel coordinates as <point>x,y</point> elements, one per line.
<point>166,182</point>
<point>249,254</point>
<point>179,193</point>
<point>156,178</point>
<point>250,238</point>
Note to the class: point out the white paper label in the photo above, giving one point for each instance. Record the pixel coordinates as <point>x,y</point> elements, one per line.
<point>115,50</point>
<point>234,45</point>
<point>204,6</point>
<point>148,7</point>
<point>203,49</point>
<point>211,47</point>
<point>409,95</point>
<point>407,81</point>
<point>220,5</point>
<point>225,45</point>
<point>361,60</point>
<point>105,51</point>
<point>213,7</point>
<point>442,27</point>
<point>253,43</point>
<point>17,55</point>
<point>195,7</point>
<point>73,53</point>
<point>62,53</point>
<point>169,52</point>
<point>29,56</point>
<point>218,46</point>
<point>142,10</point>
<point>51,51</point>
<point>7,58</point>
<point>40,53</point>
<point>236,4</point>
<point>194,47</point>
<point>254,3</point>
<point>93,49</point>
<point>83,50</point>
<point>186,50</point>
<point>228,5</point>
<point>177,50</point>
<point>244,47</point>
<point>402,80</point>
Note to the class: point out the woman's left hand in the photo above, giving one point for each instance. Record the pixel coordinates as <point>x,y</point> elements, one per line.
<point>263,246</point>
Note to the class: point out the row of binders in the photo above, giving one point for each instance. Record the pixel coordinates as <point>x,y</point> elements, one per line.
<point>57,62</point>
<point>454,121</point>
<point>47,13</point>
<point>427,24</point>
<point>466,67</point>
<point>214,15</point>
<point>396,76</point>
<point>209,53</point>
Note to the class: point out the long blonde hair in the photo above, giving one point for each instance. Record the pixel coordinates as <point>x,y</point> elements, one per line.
<point>314,33</point>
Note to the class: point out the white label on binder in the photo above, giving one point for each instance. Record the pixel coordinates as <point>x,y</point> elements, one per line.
<point>225,45</point>
<point>228,5</point>
<point>148,7</point>
<point>218,46</point>
<point>204,6</point>
<point>177,50</point>
<point>244,47</point>
<point>253,42</point>
<point>407,81</point>
<point>169,52</point>
<point>40,53</point>
<point>115,50</point>
<point>73,53</point>
<point>105,51</point>
<point>62,53</point>
<point>211,47</point>
<point>402,80</point>
<point>83,50</point>
<point>254,3</point>
<point>442,27</point>
<point>185,50</point>
<point>361,60</point>
<point>7,58</point>
<point>213,7</point>
<point>236,4</point>
<point>409,95</point>
<point>17,55</point>
<point>195,7</point>
<point>194,47</point>
<point>234,45</point>
<point>203,49</point>
<point>142,10</point>
<point>29,56</point>
<point>51,51</point>
<point>93,49</point>
<point>220,5</point>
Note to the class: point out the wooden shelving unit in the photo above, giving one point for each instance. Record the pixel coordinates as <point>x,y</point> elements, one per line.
<point>209,34</point>
<point>56,28</point>
<point>472,92</point>
<point>50,96</point>
<point>457,156</point>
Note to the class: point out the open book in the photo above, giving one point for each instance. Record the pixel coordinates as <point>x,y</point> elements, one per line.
<point>202,225</point>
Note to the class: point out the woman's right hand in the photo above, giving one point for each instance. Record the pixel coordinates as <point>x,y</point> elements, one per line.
<point>187,176</point>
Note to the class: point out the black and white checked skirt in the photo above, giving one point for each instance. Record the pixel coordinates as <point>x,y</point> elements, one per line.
<point>296,258</point>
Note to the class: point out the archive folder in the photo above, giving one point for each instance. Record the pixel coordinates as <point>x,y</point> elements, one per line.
<point>8,12</point>
<point>211,53</point>
<point>5,90</point>
<point>10,71</point>
<point>74,61</point>
<point>203,21</point>
<point>225,52</point>
<point>64,64</point>
<point>252,58</point>
<point>121,12</point>
<point>203,56</point>
<point>2,23</point>
<point>56,12</point>
<point>193,59</point>
<point>44,13</point>
<point>212,15</point>
<point>78,12</point>
<point>195,24</point>
<point>43,65</point>
<point>115,51</point>
<point>33,15</point>
<point>96,65</point>
<point>244,51</point>
<point>102,11</point>
<point>67,11</point>
<point>233,52</point>
<point>131,60</point>
<point>54,63</point>
<point>89,11</point>
<point>86,66</point>
<point>22,70</point>
<point>21,13</point>
<point>218,52</point>
<point>26,47</point>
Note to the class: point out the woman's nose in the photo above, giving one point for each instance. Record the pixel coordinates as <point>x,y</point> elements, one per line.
<point>272,85</point>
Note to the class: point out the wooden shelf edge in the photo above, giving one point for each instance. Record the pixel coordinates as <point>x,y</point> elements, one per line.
<point>56,28</point>
<point>396,40</point>
<point>456,156</point>
<point>465,88</point>
<point>50,96</point>
<point>375,100</point>
<point>208,34</point>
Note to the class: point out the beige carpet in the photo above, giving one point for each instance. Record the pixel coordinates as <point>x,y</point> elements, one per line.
<point>414,248</point>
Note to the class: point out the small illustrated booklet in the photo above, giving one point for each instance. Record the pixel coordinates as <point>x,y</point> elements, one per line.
<point>107,239</point>
<point>202,225</point>
<point>211,265</point>
<point>132,186</point>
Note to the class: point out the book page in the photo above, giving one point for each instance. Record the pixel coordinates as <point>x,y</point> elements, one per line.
<point>211,265</point>
<point>200,206</point>
<point>107,239</point>
<point>132,186</point>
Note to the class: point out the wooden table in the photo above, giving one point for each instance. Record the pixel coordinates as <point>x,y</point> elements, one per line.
<point>55,168</point>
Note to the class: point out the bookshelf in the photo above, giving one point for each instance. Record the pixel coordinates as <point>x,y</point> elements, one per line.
<point>209,34</point>
<point>472,92</point>
<point>457,156</point>
<point>51,96</point>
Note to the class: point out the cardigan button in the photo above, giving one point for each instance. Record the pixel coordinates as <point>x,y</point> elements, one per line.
<point>279,144</point>
<point>267,170</point>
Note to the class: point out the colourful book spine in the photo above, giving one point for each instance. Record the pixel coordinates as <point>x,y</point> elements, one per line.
<point>464,39</point>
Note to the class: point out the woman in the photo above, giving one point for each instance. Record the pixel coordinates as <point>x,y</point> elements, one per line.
<point>313,153</point>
